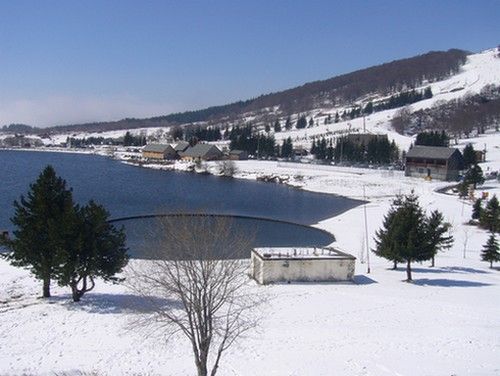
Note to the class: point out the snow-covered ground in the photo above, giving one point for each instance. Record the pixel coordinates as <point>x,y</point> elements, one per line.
<point>446,323</point>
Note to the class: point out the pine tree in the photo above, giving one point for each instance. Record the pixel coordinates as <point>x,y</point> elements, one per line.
<point>474,176</point>
<point>288,123</point>
<point>437,231</point>
<point>384,241</point>
<point>98,250</point>
<point>302,122</point>
<point>469,155</point>
<point>491,251</point>
<point>428,92</point>
<point>406,235</point>
<point>490,215</point>
<point>277,126</point>
<point>477,209</point>
<point>43,224</point>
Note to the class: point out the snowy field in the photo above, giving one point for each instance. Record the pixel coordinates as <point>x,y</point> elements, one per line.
<point>445,323</point>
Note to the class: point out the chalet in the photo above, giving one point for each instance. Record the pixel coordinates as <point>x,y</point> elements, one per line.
<point>434,162</point>
<point>238,155</point>
<point>268,265</point>
<point>159,151</point>
<point>201,152</point>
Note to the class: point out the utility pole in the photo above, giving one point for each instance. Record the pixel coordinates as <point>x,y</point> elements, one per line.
<point>366,232</point>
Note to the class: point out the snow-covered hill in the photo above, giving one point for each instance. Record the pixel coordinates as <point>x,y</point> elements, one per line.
<point>480,70</point>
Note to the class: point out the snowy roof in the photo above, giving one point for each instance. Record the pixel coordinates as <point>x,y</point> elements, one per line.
<point>431,152</point>
<point>301,253</point>
<point>157,148</point>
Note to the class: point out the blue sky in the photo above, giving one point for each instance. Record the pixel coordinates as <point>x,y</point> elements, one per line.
<point>73,61</point>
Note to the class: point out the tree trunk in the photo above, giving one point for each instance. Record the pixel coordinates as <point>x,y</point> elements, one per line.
<point>432,262</point>
<point>408,271</point>
<point>46,287</point>
<point>75,293</point>
<point>202,368</point>
<point>491,264</point>
<point>395,266</point>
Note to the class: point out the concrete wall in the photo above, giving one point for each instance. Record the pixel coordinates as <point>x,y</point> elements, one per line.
<point>289,270</point>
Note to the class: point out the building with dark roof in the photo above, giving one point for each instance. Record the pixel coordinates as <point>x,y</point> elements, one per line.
<point>238,155</point>
<point>181,146</point>
<point>159,151</point>
<point>204,152</point>
<point>434,162</point>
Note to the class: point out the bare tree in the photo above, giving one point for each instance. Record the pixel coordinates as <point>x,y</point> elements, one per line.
<point>402,119</point>
<point>227,168</point>
<point>197,267</point>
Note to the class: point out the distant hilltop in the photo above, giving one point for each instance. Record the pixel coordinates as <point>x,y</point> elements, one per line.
<point>343,90</point>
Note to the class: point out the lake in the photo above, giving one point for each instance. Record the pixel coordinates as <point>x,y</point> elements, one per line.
<point>134,191</point>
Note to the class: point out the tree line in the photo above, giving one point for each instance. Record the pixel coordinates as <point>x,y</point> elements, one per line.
<point>378,150</point>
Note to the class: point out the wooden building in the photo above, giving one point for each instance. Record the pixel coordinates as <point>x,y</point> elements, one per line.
<point>202,152</point>
<point>159,151</point>
<point>434,162</point>
<point>238,155</point>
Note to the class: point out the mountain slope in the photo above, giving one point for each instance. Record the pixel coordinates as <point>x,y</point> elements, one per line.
<point>382,79</point>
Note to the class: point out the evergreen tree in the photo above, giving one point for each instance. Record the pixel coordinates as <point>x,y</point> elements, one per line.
<point>288,123</point>
<point>368,108</point>
<point>469,155</point>
<point>311,122</point>
<point>463,190</point>
<point>477,209</point>
<point>43,227</point>
<point>406,235</point>
<point>277,126</point>
<point>491,251</point>
<point>302,122</point>
<point>128,139</point>
<point>98,250</point>
<point>490,215</point>
<point>287,148</point>
<point>474,176</point>
<point>428,92</point>
<point>385,244</point>
<point>437,235</point>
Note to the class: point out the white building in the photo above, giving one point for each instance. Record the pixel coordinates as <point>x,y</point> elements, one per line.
<point>301,264</point>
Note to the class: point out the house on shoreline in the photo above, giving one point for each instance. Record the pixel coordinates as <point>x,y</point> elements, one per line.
<point>434,162</point>
<point>201,152</point>
<point>159,152</point>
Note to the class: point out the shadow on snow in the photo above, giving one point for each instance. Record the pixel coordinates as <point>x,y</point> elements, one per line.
<point>448,283</point>
<point>119,303</point>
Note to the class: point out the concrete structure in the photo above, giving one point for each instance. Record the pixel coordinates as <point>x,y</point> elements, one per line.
<point>434,162</point>
<point>270,265</point>
<point>204,152</point>
<point>159,151</point>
